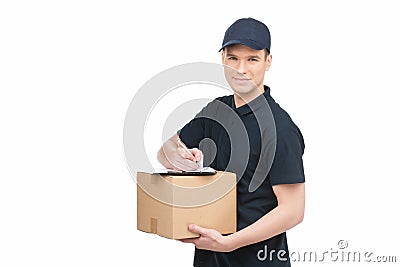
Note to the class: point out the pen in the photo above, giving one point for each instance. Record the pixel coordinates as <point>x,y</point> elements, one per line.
<point>184,146</point>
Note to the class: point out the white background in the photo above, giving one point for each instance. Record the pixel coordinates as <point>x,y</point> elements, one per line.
<point>69,69</point>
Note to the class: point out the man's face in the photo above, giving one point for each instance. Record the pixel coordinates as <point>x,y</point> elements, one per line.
<point>245,68</point>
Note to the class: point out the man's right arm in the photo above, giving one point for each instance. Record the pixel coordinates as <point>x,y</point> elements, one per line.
<point>173,156</point>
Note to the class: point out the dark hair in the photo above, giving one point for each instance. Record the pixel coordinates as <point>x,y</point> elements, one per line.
<point>266,53</point>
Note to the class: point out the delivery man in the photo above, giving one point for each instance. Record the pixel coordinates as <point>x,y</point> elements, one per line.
<point>277,204</point>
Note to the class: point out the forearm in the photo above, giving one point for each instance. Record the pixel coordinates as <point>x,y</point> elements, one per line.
<point>288,213</point>
<point>167,148</point>
<point>277,221</point>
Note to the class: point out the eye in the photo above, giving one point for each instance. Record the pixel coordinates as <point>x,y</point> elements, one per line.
<point>253,59</point>
<point>232,58</point>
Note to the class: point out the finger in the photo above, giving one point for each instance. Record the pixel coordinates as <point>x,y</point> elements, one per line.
<point>189,240</point>
<point>188,165</point>
<point>176,161</point>
<point>197,229</point>
<point>183,165</point>
<point>185,154</point>
<point>197,154</point>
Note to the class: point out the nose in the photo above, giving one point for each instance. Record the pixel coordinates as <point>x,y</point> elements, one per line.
<point>242,67</point>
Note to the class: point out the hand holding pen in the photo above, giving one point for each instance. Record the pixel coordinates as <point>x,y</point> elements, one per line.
<point>193,154</point>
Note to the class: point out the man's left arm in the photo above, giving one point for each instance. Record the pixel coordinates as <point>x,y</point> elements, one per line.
<point>288,213</point>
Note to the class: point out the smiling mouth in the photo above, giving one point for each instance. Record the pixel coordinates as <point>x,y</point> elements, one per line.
<point>241,79</point>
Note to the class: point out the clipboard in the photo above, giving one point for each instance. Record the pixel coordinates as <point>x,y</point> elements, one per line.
<point>199,172</point>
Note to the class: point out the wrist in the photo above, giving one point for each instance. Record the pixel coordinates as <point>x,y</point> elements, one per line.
<point>230,243</point>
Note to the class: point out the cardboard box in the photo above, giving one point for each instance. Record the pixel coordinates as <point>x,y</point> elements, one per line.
<point>166,205</point>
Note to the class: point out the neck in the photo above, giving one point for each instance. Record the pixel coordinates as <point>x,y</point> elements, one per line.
<point>244,98</point>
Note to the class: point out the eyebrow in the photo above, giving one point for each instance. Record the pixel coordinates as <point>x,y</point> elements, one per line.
<point>233,55</point>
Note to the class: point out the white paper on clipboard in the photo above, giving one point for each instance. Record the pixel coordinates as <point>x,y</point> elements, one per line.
<point>201,171</point>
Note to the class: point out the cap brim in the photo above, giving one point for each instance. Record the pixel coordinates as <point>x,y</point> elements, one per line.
<point>248,43</point>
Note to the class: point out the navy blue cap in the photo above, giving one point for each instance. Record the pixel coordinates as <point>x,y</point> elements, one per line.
<point>249,32</point>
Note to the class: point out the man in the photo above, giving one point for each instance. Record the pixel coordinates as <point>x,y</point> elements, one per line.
<point>265,212</point>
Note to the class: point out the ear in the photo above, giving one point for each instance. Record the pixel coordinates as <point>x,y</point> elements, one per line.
<point>268,62</point>
<point>223,56</point>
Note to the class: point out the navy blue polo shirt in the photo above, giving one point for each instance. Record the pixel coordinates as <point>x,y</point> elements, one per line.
<point>212,136</point>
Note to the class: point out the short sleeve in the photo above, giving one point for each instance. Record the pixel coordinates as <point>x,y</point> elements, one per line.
<point>287,166</point>
<point>193,132</point>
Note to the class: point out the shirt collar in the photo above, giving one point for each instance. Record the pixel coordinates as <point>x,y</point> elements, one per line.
<point>254,104</point>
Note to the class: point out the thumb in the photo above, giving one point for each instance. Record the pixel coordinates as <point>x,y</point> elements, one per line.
<point>196,229</point>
